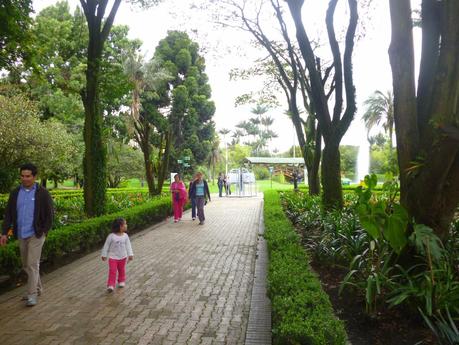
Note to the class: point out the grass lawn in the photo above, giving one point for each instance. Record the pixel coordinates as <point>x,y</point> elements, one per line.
<point>262,185</point>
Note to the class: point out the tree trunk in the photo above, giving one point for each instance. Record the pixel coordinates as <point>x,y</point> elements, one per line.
<point>314,180</point>
<point>94,161</point>
<point>432,198</point>
<point>426,122</point>
<point>331,177</point>
<point>163,162</point>
<point>149,175</point>
<point>332,127</point>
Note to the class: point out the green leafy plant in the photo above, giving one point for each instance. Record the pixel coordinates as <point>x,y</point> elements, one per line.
<point>443,326</point>
<point>380,216</point>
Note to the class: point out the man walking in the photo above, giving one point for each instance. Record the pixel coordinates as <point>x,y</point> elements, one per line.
<point>29,213</point>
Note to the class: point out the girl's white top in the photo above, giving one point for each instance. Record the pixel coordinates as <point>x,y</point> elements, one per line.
<point>117,247</point>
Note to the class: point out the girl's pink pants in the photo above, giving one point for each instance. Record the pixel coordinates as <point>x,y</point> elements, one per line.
<point>116,266</point>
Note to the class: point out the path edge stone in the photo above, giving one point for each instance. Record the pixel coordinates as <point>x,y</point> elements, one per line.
<point>259,324</point>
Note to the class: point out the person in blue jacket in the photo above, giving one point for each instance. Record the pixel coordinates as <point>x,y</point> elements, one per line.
<point>200,191</point>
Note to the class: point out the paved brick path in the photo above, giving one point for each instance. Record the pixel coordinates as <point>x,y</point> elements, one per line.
<point>188,284</point>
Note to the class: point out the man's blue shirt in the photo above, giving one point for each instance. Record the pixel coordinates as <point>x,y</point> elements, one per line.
<point>25,210</point>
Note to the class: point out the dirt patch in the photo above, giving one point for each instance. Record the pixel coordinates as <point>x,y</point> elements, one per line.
<point>388,327</point>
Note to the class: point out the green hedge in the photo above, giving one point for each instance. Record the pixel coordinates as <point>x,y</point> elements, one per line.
<point>87,235</point>
<point>301,310</point>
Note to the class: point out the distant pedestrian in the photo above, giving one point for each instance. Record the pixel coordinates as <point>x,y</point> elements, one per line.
<point>178,192</point>
<point>192,198</point>
<point>220,184</point>
<point>200,190</point>
<point>227,185</point>
<point>29,213</point>
<point>118,250</point>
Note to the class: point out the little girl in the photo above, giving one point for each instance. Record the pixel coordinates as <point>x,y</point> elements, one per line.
<point>118,249</point>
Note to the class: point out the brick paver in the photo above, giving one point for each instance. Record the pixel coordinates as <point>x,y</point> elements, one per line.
<point>188,284</point>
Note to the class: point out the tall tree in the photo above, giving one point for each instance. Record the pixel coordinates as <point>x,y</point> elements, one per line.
<point>191,107</point>
<point>380,108</point>
<point>259,128</point>
<point>14,32</point>
<point>426,119</point>
<point>24,136</point>
<point>214,157</point>
<point>150,128</point>
<point>225,132</point>
<point>333,124</point>
<point>237,135</point>
<point>60,41</point>
<point>94,162</point>
<point>286,69</point>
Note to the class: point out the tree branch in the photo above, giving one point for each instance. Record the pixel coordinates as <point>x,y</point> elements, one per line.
<point>336,60</point>
<point>401,54</point>
<point>429,59</point>
<point>351,107</point>
<point>317,90</point>
<point>110,19</point>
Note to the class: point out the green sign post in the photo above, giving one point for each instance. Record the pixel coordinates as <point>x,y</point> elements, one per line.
<point>184,163</point>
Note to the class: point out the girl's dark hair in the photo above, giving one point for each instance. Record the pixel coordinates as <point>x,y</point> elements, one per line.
<point>117,223</point>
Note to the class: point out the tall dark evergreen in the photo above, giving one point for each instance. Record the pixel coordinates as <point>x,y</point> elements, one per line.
<point>192,128</point>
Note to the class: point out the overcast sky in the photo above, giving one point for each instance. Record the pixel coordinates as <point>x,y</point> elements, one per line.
<point>225,50</point>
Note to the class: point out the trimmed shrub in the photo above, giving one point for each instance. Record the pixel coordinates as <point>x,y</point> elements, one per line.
<point>87,235</point>
<point>301,310</point>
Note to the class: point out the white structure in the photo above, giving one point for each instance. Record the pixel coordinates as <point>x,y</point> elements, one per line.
<point>242,182</point>
<point>363,161</point>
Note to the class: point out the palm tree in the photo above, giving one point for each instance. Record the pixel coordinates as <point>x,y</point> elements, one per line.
<point>259,110</point>
<point>237,135</point>
<point>214,157</point>
<point>146,76</point>
<point>225,132</point>
<point>380,108</point>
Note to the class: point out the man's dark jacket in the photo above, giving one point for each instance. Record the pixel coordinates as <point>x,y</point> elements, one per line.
<point>42,217</point>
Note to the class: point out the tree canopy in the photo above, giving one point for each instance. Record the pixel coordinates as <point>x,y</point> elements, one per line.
<point>190,97</point>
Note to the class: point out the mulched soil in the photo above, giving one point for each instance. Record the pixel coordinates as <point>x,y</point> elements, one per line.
<point>387,327</point>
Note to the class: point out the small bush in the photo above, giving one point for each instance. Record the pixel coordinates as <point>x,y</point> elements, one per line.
<point>301,310</point>
<point>87,235</point>
<point>261,173</point>
<point>279,178</point>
